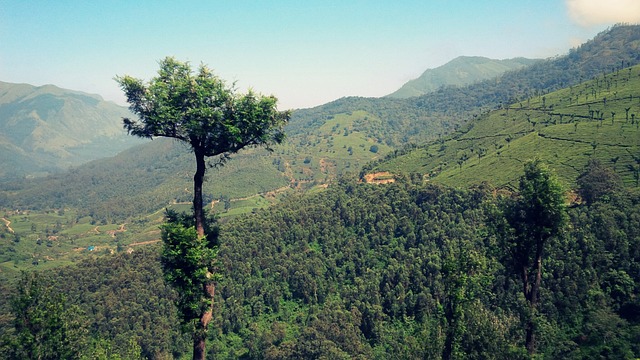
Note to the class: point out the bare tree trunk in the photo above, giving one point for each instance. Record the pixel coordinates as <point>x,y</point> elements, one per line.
<point>198,180</point>
<point>200,333</point>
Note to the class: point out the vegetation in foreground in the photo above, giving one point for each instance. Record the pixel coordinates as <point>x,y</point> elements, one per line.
<point>389,271</point>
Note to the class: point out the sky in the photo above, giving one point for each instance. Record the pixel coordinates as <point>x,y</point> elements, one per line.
<point>305,52</point>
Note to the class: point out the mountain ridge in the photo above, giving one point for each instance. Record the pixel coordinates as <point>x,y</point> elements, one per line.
<point>342,136</point>
<point>461,71</point>
<point>50,128</point>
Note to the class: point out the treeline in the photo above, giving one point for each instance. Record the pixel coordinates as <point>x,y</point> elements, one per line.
<point>403,270</point>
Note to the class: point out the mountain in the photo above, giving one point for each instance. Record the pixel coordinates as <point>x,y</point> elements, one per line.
<point>461,71</point>
<point>322,142</point>
<point>429,116</point>
<point>46,129</point>
<point>409,270</point>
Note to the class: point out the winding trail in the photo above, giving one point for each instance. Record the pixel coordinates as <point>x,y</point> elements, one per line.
<point>7,223</point>
<point>145,242</point>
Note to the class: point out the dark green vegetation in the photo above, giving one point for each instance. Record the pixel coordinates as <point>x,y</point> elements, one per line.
<point>118,307</point>
<point>412,269</point>
<point>367,271</point>
<point>46,129</point>
<point>535,218</point>
<point>461,71</point>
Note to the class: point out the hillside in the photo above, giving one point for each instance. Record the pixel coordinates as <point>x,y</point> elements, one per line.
<point>427,117</point>
<point>596,119</point>
<point>461,71</point>
<point>363,271</point>
<point>322,143</point>
<point>413,269</point>
<point>47,129</point>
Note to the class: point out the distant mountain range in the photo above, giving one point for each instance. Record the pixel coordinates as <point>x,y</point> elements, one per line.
<point>332,139</point>
<point>46,129</point>
<point>461,71</point>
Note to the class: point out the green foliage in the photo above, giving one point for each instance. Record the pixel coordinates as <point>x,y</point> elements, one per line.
<point>536,216</point>
<point>121,301</point>
<point>189,263</point>
<point>598,182</point>
<point>45,325</point>
<point>377,272</point>
<point>201,110</point>
<point>539,212</point>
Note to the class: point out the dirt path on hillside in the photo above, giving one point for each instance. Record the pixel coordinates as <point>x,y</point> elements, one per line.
<point>145,242</point>
<point>7,223</point>
<point>384,177</point>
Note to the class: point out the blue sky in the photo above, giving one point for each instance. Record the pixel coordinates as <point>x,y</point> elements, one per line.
<point>305,52</point>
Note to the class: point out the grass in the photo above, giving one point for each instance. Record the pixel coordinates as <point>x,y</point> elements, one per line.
<point>44,240</point>
<point>597,119</point>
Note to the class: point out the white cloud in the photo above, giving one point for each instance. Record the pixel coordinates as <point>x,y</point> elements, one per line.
<point>598,12</point>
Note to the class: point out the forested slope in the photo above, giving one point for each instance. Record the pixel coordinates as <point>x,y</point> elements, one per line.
<point>461,71</point>
<point>367,271</point>
<point>46,129</point>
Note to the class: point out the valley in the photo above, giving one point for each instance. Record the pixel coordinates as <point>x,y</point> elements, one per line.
<point>381,228</point>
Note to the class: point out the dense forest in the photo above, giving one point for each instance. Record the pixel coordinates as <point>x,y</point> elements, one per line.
<point>414,269</point>
<point>403,270</point>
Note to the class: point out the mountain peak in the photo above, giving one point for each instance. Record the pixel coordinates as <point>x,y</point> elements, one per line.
<point>53,128</point>
<point>461,71</point>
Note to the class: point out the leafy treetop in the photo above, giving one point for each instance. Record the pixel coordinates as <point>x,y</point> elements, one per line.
<point>200,109</point>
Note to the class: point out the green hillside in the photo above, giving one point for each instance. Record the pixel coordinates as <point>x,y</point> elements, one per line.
<point>47,129</point>
<point>318,266</point>
<point>326,142</point>
<point>461,71</point>
<point>362,271</point>
<point>565,128</point>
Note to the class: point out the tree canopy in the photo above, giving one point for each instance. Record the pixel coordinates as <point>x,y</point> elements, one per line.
<point>198,108</point>
<point>537,215</point>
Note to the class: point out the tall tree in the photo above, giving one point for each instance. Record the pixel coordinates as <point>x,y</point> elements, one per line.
<point>537,215</point>
<point>200,109</point>
<point>598,182</point>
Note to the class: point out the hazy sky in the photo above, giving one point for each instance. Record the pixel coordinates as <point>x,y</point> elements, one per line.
<point>306,53</point>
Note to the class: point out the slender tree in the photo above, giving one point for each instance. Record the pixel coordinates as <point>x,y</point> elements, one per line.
<point>536,216</point>
<point>200,109</point>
